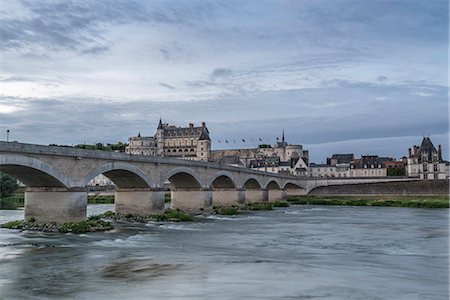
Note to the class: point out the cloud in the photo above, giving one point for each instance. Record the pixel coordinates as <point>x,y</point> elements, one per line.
<point>326,71</point>
<point>220,72</point>
<point>166,85</point>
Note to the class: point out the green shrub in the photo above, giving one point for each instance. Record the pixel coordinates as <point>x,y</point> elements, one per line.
<point>259,206</point>
<point>13,225</point>
<point>108,215</point>
<point>233,210</point>
<point>280,204</point>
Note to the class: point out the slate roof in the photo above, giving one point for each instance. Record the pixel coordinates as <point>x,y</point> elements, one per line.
<point>272,161</point>
<point>231,160</point>
<point>173,132</point>
<point>427,148</point>
<point>369,160</point>
<point>343,158</point>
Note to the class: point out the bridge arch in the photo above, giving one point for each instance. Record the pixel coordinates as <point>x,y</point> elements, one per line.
<point>291,186</point>
<point>273,184</point>
<point>183,178</point>
<point>124,175</point>
<point>33,172</point>
<point>251,182</point>
<point>222,180</point>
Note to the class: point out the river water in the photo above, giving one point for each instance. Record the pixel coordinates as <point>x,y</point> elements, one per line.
<point>300,252</point>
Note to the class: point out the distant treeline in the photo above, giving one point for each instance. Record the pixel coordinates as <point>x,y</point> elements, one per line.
<point>119,146</point>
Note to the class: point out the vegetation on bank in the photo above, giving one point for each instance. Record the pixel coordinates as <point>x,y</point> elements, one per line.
<point>8,185</point>
<point>227,211</point>
<point>167,197</point>
<point>119,146</point>
<point>101,199</point>
<point>73,227</point>
<point>17,200</point>
<point>169,215</point>
<point>395,201</point>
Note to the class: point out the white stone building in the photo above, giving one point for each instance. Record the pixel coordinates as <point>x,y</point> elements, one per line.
<point>426,162</point>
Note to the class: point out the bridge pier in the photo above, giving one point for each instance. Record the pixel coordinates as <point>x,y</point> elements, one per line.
<point>139,201</point>
<point>295,192</point>
<point>228,197</point>
<point>191,200</point>
<point>256,195</point>
<point>276,195</point>
<point>47,205</point>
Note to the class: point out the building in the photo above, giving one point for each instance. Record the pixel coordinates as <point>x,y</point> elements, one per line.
<point>190,142</point>
<point>346,165</point>
<point>281,157</point>
<point>426,162</point>
<point>369,166</point>
<point>139,145</point>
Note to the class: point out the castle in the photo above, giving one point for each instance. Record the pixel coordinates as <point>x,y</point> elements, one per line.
<point>190,142</point>
<point>426,162</point>
<point>282,157</point>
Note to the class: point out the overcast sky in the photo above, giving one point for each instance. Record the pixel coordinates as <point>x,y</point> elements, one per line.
<point>368,77</point>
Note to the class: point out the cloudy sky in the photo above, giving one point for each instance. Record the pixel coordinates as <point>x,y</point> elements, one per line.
<point>368,77</point>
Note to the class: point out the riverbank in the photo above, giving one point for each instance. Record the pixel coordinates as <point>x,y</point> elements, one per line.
<point>395,201</point>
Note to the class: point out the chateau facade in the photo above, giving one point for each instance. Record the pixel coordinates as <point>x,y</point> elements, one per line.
<point>426,162</point>
<point>190,142</point>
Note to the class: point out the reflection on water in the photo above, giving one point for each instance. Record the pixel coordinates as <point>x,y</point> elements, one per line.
<point>139,269</point>
<point>301,252</point>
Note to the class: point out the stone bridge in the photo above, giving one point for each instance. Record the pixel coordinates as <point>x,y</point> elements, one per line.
<point>56,181</point>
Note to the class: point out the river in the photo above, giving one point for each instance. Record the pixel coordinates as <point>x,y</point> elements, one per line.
<point>300,252</point>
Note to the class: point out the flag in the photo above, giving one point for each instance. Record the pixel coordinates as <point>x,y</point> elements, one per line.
<point>243,140</point>
<point>277,138</point>
<point>226,141</point>
<point>260,139</point>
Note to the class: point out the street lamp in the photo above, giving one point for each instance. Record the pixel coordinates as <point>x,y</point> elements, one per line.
<point>7,135</point>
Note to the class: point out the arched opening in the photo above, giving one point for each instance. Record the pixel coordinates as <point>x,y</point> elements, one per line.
<point>273,185</point>
<point>291,186</point>
<point>126,179</point>
<point>123,175</point>
<point>252,184</point>
<point>32,177</point>
<point>184,181</point>
<point>223,182</point>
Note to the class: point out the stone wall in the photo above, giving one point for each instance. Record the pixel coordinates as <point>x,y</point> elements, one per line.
<point>422,187</point>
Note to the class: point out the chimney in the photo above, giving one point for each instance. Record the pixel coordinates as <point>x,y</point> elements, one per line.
<point>415,150</point>
<point>409,152</point>
<point>191,125</point>
<point>440,152</point>
<point>203,124</point>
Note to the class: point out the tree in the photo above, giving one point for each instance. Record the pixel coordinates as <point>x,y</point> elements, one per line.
<point>8,185</point>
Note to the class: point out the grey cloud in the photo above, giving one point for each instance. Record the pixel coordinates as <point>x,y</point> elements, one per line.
<point>166,85</point>
<point>221,72</point>
<point>52,81</point>
<point>64,25</point>
<point>96,50</point>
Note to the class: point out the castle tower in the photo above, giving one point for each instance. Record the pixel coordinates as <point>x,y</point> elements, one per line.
<point>204,144</point>
<point>160,139</point>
